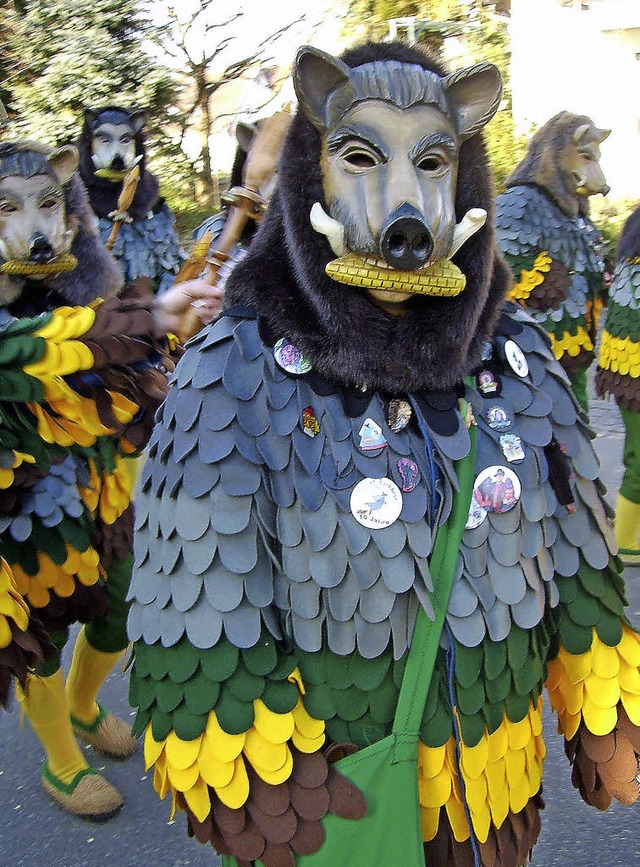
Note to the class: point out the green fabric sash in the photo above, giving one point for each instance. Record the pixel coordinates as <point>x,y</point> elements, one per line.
<point>387,772</point>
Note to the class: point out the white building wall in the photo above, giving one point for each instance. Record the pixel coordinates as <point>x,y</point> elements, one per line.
<point>587,62</point>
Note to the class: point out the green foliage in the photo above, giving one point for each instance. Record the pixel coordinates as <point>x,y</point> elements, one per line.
<point>484,36</point>
<point>69,54</point>
<point>610,215</point>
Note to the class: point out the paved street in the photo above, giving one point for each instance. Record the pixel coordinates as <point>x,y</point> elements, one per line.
<point>36,833</point>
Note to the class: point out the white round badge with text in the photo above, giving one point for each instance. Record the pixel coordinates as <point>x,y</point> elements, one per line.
<point>376,503</point>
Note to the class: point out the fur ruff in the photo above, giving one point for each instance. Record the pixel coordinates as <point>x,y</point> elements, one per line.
<point>346,335</point>
<point>103,193</point>
<point>629,245</point>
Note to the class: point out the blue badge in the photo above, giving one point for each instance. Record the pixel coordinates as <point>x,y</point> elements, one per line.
<point>371,436</point>
<point>497,417</point>
<point>512,448</point>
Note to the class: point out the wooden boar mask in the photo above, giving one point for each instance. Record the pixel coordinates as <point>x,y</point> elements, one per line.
<point>391,134</point>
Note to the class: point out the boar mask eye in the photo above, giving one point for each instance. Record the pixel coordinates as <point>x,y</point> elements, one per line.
<point>7,208</point>
<point>431,163</point>
<point>357,158</point>
<point>50,203</point>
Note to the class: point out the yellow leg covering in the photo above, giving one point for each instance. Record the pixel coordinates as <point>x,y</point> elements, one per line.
<point>47,709</point>
<point>627,527</point>
<point>89,670</point>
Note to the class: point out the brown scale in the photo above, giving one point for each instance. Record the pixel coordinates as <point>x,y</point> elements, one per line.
<point>573,363</point>
<point>24,478</point>
<point>625,388</point>
<point>123,331</point>
<point>279,822</point>
<point>507,846</point>
<point>84,605</point>
<point>553,290</point>
<point>605,767</point>
<point>24,653</point>
<point>114,541</point>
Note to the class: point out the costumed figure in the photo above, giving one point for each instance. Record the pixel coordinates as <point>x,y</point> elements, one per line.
<point>297,523</point>
<point>81,379</point>
<point>146,243</point>
<point>619,374</point>
<point>223,240</point>
<point>553,248</point>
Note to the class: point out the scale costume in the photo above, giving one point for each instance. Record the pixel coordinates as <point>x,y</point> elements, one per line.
<point>618,374</point>
<point>555,253</point>
<point>79,387</point>
<point>271,623</point>
<point>148,246</point>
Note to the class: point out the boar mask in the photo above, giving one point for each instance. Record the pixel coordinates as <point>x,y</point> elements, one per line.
<point>391,136</point>
<point>383,167</point>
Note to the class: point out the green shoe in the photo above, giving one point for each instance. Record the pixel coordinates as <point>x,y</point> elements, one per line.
<point>88,795</point>
<point>108,734</point>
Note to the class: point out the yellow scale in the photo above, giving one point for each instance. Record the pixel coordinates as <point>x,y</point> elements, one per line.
<point>620,355</point>
<point>12,606</point>
<point>501,773</point>
<point>530,279</point>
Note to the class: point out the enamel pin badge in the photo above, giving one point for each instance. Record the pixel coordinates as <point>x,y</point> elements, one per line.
<point>399,414</point>
<point>310,424</point>
<point>512,449</point>
<point>371,436</point>
<point>409,473</point>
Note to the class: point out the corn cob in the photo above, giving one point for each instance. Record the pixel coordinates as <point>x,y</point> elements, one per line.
<point>59,265</point>
<point>442,278</point>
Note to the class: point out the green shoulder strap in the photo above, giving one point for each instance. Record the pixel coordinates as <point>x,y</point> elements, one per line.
<point>426,636</point>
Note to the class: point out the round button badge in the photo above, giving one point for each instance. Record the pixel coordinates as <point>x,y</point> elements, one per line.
<point>497,489</point>
<point>376,503</point>
<point>516,358</point>
<point>290,358</point>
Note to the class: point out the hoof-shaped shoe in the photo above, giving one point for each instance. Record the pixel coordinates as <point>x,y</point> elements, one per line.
<point>110,735</point>
<point>88,795</point>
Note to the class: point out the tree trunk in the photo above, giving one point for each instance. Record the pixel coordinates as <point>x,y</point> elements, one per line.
<point>209,178</point>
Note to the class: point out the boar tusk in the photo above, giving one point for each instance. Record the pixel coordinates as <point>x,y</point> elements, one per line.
<point>332,229</point>
<point>5,253</point>
<point>67,240</point>
<point>473,220</point>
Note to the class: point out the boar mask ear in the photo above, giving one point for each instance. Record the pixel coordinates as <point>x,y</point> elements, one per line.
<point>137,118</point>
<point>90,116</point>
<point>244,134</point>
<point>474,95</point>
<point>64,162</point>
<point>315,75</point>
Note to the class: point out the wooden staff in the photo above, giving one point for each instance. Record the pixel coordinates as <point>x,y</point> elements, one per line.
<point>120,215</point>
<point>246,203</point>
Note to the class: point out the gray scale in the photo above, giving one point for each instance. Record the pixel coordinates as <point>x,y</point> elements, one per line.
<point>528,222</point>
<point>299,560</point>
<point>625,288</point>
